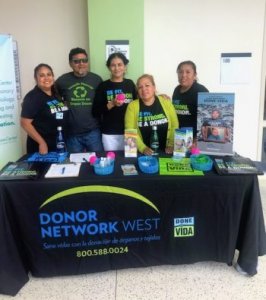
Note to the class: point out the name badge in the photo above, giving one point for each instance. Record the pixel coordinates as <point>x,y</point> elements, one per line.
<point>59,116</point>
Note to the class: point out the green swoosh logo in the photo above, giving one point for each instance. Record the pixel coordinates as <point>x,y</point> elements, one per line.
<point>100,189</point>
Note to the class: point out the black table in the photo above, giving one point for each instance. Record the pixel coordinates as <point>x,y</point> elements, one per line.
<point>52,227</point>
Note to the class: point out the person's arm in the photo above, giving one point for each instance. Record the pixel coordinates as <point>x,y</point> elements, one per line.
<point>131,121</point>
<point>174,124</point>
<point>33,133</point>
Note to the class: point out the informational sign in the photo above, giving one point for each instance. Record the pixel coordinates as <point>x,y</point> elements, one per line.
<point>113,46</point>
<point>10,146</point>
<point>235,68</point>
<point>17,69</point>
<point>215,123</point>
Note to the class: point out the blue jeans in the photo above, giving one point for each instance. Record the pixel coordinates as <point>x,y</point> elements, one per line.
<point>86,142</point>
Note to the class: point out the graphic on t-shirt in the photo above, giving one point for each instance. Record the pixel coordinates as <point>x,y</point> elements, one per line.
<point>181,109</point>
<point>79,94</point>
<point>150,116</point>
<point>56,106</point>
<point>147,119</point>
<point>111,95</point>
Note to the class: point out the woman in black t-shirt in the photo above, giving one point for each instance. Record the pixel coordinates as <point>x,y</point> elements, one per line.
<point>42,111</point>
<point>185,95</point>
<point>111,100</point>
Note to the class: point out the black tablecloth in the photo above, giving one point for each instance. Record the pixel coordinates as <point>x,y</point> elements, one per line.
<point>93,223</point>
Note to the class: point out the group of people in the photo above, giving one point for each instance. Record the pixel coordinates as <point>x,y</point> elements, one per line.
<point>95,113</point>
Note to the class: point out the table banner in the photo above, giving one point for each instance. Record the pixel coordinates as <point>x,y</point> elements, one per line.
<point>72,226</point>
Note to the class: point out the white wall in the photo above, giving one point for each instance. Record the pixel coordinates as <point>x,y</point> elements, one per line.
<point>178,30</point>
<point>175,30</point>
<point>45,32</point>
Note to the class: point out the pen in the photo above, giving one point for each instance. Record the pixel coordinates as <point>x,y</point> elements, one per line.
<point>63,170</point>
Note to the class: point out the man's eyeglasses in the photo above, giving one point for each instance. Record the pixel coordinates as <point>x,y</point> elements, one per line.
<point>78,61</point>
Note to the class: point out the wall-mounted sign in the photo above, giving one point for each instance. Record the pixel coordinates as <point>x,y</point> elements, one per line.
<point>235,68</point>
<point>113,46</point>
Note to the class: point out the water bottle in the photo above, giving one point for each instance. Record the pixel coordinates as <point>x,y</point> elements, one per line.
<point>154,142</point>
<point>60,142</point>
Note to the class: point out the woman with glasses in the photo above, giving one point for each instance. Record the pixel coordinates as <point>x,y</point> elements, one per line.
<point>111,100</point>
<point>42,111</point>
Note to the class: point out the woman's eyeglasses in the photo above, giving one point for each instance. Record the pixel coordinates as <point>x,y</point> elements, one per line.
<point>78,61</point>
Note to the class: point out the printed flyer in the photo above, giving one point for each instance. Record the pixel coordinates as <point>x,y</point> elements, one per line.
<point>215,123</point>
<point>130,143</point>
<point>170,166</point>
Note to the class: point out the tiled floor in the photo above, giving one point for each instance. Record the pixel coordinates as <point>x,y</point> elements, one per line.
<point>208,280</point>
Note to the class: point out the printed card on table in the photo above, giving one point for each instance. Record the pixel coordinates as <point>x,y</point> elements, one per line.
<point>130,138</point>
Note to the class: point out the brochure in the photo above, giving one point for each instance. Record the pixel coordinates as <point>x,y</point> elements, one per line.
<point>20,170</point>
<point>230,165</point>
<point>183,140</point>
<point>130,142</point>
<point>215,123</point>
<point>129,169</point>
<point>63,170</point>
<point>170,166</point>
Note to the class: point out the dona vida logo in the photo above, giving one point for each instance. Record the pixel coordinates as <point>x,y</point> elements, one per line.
<point>184,227</point>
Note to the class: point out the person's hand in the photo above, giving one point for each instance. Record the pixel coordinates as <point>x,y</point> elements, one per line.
<point>148,151</point>
<point>110,105</point>
<point>169,150</point>
<point>43,148</point>
<point>118,102</point>
<point>113,103</point>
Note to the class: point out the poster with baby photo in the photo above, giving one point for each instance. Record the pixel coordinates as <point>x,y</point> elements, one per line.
<point>215,123</point>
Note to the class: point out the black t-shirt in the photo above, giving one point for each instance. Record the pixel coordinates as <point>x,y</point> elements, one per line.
<point>150,116</point>
<point>186,105</point>
<point>112,121</point>
<point>78,93</point>
<point>47,112</point>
